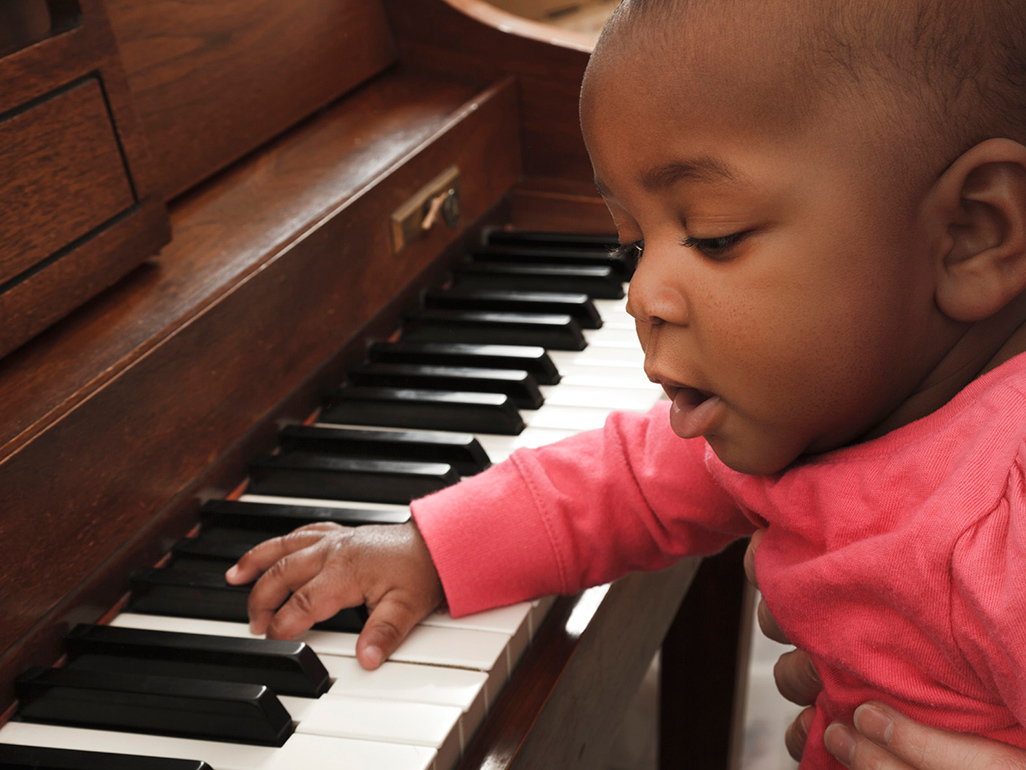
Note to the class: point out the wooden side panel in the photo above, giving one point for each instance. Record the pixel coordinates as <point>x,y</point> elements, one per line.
<point>61,176</point>
<point>212,79</point>
<point>78,205</point>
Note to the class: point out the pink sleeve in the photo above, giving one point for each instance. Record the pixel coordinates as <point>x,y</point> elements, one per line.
<point>577,513</point>
<point>988,602</point>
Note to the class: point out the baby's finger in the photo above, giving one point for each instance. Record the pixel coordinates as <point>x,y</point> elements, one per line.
<point>260,557</point>
<point>796,678</point>
<point>280,580</point>
<point>319,599</point>
<point>389,623</point>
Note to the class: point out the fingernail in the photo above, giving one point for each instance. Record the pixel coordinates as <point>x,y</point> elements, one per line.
<point>874,723</point>
<point>231,573</point>
<point>373,656</point>
<point>840,742</point>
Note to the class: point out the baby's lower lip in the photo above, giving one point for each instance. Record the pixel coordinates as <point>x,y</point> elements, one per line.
<point>694,412</point>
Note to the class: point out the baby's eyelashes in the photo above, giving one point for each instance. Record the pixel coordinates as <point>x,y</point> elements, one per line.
<point>629,252</point>
<point>714,248</point>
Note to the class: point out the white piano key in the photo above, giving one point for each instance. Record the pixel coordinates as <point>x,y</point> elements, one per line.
<point>582,397</point>
<point>392,722</point>
<point>300,752</point>
<point>599,374</point>
<point>613,335</point>
<point>459,688</point>
<point>611,308</point>
<point>251,498</point>
<point>499,447</point>
<point>512,621</point>
<point>565,417</point>
<point>609,356</point>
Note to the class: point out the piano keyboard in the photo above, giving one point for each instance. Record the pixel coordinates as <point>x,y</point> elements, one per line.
<point>423,706</point>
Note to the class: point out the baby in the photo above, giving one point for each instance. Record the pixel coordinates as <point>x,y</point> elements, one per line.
<point>829,202</point>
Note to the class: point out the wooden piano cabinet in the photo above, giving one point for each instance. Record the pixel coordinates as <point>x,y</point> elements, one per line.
<point>78,204</point>
<point>115,423</point>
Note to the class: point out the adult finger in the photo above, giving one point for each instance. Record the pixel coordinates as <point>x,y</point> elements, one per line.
<point>855,751</point>
<point>389,623</point>
<point>753,544</point>
<point>888,740</point>
<point>796,678</point>
<point>798,733</point>
<point>768,624</point>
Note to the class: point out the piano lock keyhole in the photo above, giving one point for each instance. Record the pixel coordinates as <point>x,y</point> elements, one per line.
<point>438,200</point>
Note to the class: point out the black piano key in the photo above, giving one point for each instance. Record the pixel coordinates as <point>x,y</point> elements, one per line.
<point>518,385</point>
<point>529,358</point>
<point>44,758</point>
<point>541,255</point>
<point>426,409</point>
<point>540,238</point>
<point>192,594</point>
<point>595,281</point>
<point>302,474</point>
<point>219,544</point>
<point>193,708</point>
<point>287,668</point>
<point>577,306</point>
<point>460,450</point>
<point>279,519</point>
<point>556,332</point>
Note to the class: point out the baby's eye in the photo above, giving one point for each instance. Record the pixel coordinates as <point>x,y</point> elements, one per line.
<point>714,248</point>
<point>629,253</point>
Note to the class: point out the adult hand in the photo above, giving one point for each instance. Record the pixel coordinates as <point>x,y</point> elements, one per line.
<point>882,738</point>
<point>795,676</point>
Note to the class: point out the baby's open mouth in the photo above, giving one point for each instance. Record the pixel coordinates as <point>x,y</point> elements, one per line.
<point>693,412</point>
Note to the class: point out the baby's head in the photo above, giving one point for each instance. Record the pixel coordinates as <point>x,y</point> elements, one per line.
<point>834,227</point>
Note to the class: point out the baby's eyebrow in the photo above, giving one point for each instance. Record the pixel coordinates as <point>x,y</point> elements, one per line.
<point>701,169</point>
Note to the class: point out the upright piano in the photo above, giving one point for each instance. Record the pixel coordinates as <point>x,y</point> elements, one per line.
<point>211,210</point>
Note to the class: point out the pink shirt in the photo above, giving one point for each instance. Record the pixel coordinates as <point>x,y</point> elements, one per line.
<point>897,563</point>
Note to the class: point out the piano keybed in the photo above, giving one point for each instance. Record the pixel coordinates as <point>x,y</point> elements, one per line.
<point>424,704</point>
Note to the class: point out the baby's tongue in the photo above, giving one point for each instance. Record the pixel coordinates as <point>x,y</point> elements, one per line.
<point>693,412</point>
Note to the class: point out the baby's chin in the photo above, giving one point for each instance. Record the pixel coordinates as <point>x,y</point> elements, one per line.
<point>752,457</point>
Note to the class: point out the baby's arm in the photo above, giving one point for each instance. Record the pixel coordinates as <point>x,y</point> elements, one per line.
<point>322,568</point>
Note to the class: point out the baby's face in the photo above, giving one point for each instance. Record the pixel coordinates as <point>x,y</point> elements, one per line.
<point>784,298</point>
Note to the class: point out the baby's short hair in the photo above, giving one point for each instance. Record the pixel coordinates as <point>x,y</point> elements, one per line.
<point>956,65</point>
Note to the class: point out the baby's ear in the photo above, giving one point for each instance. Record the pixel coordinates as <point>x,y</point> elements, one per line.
<point>981,199</point>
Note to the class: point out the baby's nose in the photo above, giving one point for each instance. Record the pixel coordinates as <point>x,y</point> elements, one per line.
<point>652,301</point>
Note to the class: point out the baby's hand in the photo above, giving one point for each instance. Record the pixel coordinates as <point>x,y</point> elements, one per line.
<point>322,568</point>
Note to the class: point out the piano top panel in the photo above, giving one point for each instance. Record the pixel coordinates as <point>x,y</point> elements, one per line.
<point>211,81</point>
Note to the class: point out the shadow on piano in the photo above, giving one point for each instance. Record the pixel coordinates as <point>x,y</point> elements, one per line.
<point>284,136</point>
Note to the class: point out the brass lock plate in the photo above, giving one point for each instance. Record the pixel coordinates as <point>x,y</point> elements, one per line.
<point>438,200</point>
